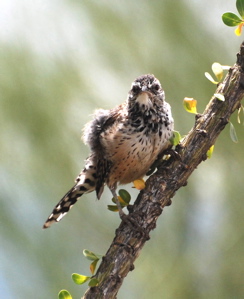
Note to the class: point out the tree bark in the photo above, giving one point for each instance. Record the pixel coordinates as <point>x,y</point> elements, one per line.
<point>162,185</point>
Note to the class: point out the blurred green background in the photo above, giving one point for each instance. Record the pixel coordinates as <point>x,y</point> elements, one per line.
<point>59,60</point>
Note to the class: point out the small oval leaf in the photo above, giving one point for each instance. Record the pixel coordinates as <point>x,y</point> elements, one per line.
<point>240,7</point>
<point>233,134</point>
<point>122,202</point>
<point>219,96</point>
<point>210,78</point>
<point>240,115</point>
<point>238,30</point>
<point>93,282</point>
<point>112,208</point>
<point>210,152</point>
<point>226,67</point>
<point>231,19</point>
<point>217,70</point>
<point>139,184</point>
<point>175,140</point>
<point>93,266</point>
<point>125,195</point>
<point>91,255</point>
<point>190,105</point>
<point>79,279</point>
<point>63,294</point>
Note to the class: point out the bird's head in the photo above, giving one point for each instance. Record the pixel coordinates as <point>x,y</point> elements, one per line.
<point>146,92</point>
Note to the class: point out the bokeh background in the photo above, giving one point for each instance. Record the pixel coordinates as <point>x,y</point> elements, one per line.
<point>61,59</point>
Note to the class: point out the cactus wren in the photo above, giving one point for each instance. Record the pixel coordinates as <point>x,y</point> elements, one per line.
<point>124,143</point>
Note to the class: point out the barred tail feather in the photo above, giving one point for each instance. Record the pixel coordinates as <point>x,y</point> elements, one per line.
<point>62,208</point>
<point>86,182</point>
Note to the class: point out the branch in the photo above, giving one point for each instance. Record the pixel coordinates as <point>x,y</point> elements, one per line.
<point>161,186</point>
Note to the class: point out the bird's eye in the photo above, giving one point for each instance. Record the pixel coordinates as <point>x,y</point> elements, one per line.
<point>156,87</point>
<point>136,88</point>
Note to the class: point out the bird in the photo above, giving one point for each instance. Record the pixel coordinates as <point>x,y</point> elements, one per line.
<point>124,142</point>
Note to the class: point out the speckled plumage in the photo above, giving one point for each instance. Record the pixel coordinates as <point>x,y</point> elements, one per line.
<point>124,143</point>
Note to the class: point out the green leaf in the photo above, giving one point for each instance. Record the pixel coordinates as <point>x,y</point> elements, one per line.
<point>122,202</point>
<point>125,195</point>
<point>219,96</point>
<point>63,294</point>
<point>231,19</point>
<point>210,78</point>
<point>93,282</point>
<point>91,255</point>
<point>233,134</point>
<point>240,7</point>
<point>176,138</point>
<point>112,208</point>
<point>80,279</point>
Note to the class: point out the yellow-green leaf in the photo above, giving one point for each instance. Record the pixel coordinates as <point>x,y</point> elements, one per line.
<point>210,78</point>
<point>217,70</point>
<point>238,30</point>
<point>79,279</point>
<point>113,208</point>
<point>219,96</point>
<point>93,282</point>
<point>190,105</point>
<point>63,294</point>
<point>91,255</point>
<point>121,200</point>
<point>210,152</point>
<point>233,134</point>
<point>93,266</point>
<point>176,138</point>
<point>125,196</point>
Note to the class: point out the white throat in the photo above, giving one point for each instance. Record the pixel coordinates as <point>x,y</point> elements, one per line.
<point>144,99</point>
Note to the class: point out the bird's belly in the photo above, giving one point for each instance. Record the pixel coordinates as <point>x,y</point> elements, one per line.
<point>132,157</point>
<point>130,165</point>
